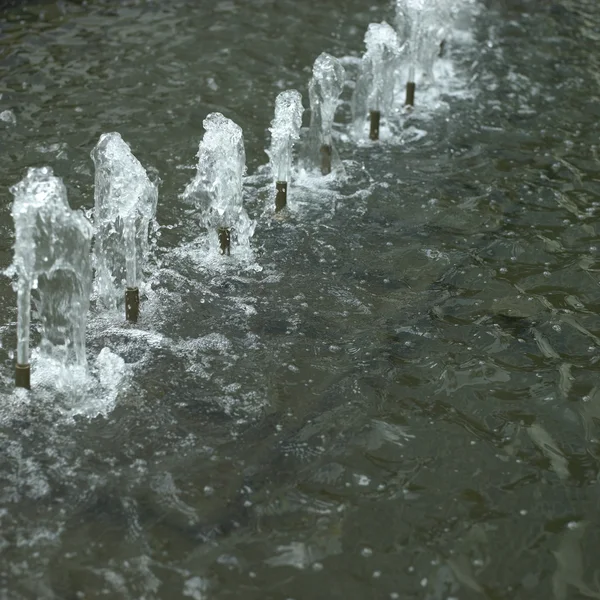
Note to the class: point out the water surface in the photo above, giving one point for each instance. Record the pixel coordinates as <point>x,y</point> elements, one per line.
<point>397,397</point>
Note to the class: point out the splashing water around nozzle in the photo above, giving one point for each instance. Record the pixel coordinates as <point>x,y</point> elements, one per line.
<point>52,258</point>
<point>324,91</point>
<point>374,90</point>
<point>125,205</point>
<point>216,190</point>
<point>285,131</point>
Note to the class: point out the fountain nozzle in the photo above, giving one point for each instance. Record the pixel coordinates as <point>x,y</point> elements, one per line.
<point>374,130</point>
<point>410,93</point>
<point>326,159</point>
<point>225,240</point>
<point>281,198</point>
<point>442,50</point>
<point>23,376</point>
<point>132,304</point>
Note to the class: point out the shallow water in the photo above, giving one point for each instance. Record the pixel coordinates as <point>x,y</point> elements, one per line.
<point>396,396</point>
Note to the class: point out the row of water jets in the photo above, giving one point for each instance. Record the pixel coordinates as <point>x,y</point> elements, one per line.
<point>53,247</point>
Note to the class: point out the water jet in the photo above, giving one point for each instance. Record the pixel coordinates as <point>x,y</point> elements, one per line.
<point>374,90</point>
<point>285,131</point>
<point>124,206</point>
<point>216,192</point>
<point>324,90</point>
<point>422,26</point>
<point>52,260</point>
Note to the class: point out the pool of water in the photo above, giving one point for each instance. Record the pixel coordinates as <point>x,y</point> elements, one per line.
<point>396,397</point>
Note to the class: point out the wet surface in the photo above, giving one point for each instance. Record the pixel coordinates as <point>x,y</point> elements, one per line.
<point>396,397</point>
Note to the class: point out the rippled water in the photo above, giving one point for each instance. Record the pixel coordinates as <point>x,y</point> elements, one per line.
<point>397,397</point>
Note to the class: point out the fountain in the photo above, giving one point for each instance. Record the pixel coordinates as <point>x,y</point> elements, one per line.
<point>216,190</point>
<point>324,90</point>
<point>125,205</point>
<point>374,90</point>
<point>422,25</point>
<point>52,258</point>
<point>285,130</point>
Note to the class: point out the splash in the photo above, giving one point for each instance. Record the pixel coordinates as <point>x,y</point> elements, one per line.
<point>216,190</point>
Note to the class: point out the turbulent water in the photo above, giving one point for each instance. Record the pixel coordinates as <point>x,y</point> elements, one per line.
<point>395,396</point>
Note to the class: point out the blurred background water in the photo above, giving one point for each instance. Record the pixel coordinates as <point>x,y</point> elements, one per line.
<point>398,397</point>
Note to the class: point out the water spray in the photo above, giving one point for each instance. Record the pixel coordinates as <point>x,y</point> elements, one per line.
<point>124,206</point>
<point>52,255</point>
<point>285,131</point>
<point>324,90</point>
<point>216,192</point>
<point>374,90</point>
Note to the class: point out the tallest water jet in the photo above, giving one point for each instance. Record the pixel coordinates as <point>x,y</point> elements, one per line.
<point>52,259</point>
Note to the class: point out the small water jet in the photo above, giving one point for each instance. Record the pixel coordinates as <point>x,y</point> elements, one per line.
<point>374,90</point>
<point>216,190</point>
<point>52,258</point>
<point>423,26</point>
<point>124,206</point>
<point>285,131</point>
<point>324,91</point>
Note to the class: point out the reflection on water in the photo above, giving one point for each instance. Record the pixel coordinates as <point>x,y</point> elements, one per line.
<point>398,399</point>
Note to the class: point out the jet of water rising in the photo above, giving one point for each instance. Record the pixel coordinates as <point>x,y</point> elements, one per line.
<point>124,206</point>
<point>216,190</point>
<point>374,90</point>
<point>324,91</point>
<point>285,131</point>
<point>422,25</point>
<point>52,257</point>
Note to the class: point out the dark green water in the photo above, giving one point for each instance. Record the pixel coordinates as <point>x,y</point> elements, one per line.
<point>401,402</point>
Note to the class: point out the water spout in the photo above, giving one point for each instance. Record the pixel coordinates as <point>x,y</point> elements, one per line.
<point>216,190</point>
<point>285,131</point>
<point>324,91</point>
<point>125,205</point>
<point>52,257</point>
<point>423,26</point>
<point>374,90</point>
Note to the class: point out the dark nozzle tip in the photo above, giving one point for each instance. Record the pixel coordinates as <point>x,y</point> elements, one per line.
<point>225,240</point>
<point>326,153</point>
<point>375,118</point>
<point>132,304</point>
<point>281,197</point>
<point>410,93</point>
<point>23,376</point>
